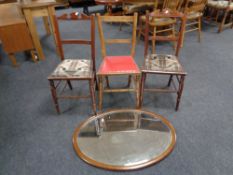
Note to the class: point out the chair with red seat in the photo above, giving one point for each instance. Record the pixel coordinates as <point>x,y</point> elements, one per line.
<point>117,65</point>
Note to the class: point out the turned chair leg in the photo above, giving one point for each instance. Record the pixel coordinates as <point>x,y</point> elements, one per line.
<point>180,90</point>
<point>142,84</point>
<point>92,93</point>
<point>54,95</point>
<point>100,82</point>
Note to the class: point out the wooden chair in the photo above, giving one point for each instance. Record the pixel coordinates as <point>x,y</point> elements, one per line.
<point>74,69</point>
<point>161,26</point>
<point>194,12</point>
<point>164,64</point>
<point>117,65</point>
<point>221,11</point>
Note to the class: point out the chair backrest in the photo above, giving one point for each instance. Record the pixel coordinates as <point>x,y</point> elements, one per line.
<point>117,19</point>
<point>172,4</point>
<point>194,6</point>
<point>75,17</point>
<point>180,21</point>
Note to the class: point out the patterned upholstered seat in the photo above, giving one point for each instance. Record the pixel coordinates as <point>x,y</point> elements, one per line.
<point>162,63</point>
<point>73,68</point>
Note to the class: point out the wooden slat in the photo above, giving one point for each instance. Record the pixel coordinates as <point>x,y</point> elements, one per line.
<point>119,90</point>
<point>73,41</point>
<point>160,90</point>
<point>192,23</point>
<point>191,30</point>
<point>73,97</point>
<point>117,18</point>
<point>164,30</point>
<point>164,38</point>
<point>112,41</point>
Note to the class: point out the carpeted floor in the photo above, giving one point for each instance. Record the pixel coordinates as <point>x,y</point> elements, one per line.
<point>34,140</point>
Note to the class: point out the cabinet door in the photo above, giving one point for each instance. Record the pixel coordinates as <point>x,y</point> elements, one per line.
<point>16,38</point>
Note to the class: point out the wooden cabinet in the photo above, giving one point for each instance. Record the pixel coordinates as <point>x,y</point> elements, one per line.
<point>14,33</point>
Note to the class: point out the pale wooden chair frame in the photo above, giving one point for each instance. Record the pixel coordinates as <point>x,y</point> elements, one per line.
<point>103,41</point>
<point>154,29</point>
<point>194,23</point>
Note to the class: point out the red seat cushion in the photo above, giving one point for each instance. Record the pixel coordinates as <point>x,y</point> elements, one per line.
<point>118,65</point>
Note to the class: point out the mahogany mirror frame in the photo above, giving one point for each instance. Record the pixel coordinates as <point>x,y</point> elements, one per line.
<point>131,167</point>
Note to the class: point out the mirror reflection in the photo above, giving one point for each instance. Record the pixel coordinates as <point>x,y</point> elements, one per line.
<point>124,138</point>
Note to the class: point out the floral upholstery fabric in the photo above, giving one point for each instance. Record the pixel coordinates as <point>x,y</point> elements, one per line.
<point>162,63</point>
<point>73,68</point>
